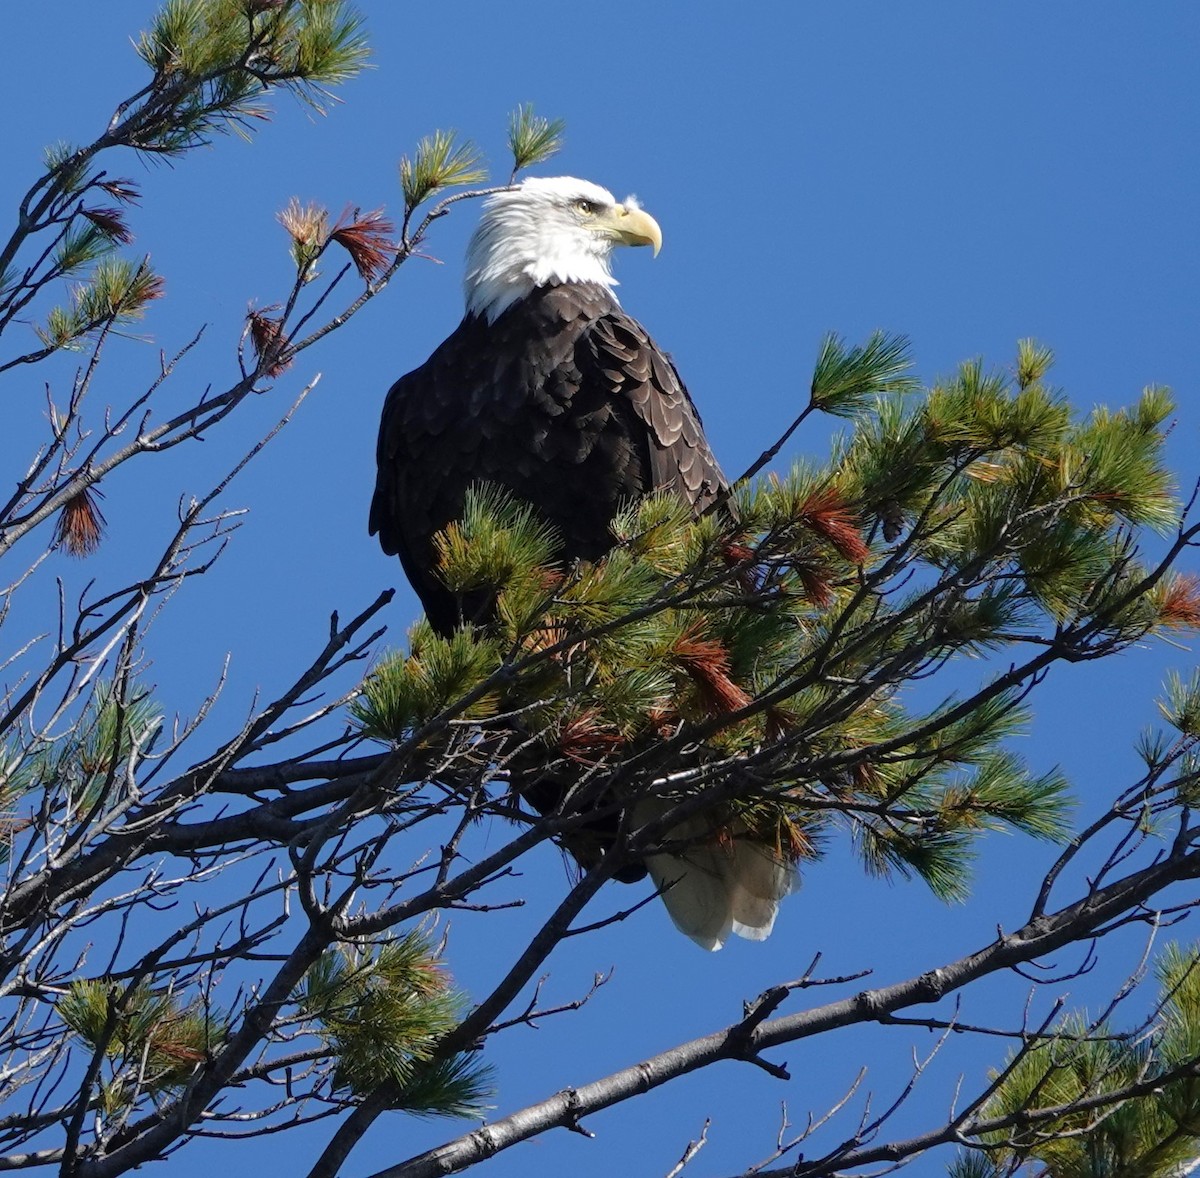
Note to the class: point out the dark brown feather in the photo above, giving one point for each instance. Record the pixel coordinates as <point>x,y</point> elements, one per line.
<point>565,400</point>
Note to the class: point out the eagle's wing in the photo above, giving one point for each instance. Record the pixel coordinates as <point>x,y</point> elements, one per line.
<point>565,401</point>
<point>503,403</point>
<point>425,462</point>
<point>620,355</point>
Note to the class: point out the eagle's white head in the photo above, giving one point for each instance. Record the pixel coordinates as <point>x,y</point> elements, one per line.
<point>556,229</point>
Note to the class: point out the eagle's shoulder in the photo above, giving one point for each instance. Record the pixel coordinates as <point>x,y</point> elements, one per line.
<point>623,356</point>
<point>565,400</point>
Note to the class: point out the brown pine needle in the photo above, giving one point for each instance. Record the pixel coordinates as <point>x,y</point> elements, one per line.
<point>366,237</point>
<point>81,523</point>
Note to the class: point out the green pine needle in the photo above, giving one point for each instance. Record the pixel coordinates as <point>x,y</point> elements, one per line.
<point>331,45</point>
<point>70,169</point>
<point>847,379</point>
<point>1178,972</point>
<point>160,1040</point>
<point>1034,360</point>
<point>403,693</point>
<point>974,1165</point>
<point>1003,792</point>
<point>1063,564</point>
<point>660,529</point>
<point>1154,1134</point>
<point>606,591</point>
<point>118,290</point>
<point>214,60</point>
<point>382,1009</point>
<point>88,763</point>
<point>63,328</point>
<point>533,139</point>
<point>1181,705</point>
<point>81,245</point>
<point>498,538</point>
<point>941,858</point>
<point>1156,405</point>
<point>1116,460</point>
<point>973,738</point>
<point>456,1087</point>
<point>439,162</point>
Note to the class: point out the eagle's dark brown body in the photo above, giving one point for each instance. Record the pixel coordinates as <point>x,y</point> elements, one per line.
<point>548,389</point>
<point>564,400</point>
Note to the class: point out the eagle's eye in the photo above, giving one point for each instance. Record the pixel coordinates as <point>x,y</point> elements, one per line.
<point>586,207</point>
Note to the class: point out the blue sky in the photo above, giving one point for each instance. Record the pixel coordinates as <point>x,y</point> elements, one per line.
<point>965,174</point>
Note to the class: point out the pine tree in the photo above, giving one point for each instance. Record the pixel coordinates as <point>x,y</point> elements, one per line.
<point>744,675</point>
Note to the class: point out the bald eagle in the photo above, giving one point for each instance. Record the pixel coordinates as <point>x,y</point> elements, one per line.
<point>550,390</point>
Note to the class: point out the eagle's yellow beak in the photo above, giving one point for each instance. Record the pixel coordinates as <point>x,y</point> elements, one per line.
<point>632,226</point>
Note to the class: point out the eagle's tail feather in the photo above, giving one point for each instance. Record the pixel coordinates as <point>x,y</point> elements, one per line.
<point>717,886</point>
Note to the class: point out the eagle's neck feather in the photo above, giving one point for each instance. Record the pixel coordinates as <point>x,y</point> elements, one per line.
<point>514,251</point>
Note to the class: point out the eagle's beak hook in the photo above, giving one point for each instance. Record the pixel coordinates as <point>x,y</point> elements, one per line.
<point>634,226</point>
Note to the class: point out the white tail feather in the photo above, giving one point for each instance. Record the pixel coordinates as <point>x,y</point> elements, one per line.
<point>714,888</point>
